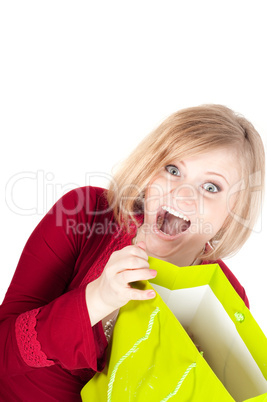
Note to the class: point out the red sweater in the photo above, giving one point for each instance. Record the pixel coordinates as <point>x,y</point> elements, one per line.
<point>48,349</point>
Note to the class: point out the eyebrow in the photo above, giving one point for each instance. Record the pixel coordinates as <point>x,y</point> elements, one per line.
<point>211,173</point>
<point>218,174</point>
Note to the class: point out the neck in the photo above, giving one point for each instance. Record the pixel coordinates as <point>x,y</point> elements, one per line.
<point>180,257</point>
<point>180,260</point>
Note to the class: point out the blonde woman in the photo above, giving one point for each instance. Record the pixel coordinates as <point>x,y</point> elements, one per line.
<point>189,194</point>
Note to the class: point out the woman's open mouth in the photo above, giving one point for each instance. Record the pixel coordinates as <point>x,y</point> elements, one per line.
<point>171,222</point>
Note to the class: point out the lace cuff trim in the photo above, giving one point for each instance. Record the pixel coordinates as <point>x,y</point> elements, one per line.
<point>29,346</point>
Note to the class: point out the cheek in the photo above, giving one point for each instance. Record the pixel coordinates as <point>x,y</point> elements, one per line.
<point>162,184</point>
<point>155,191</point>
<point>215,214</point>
<point>154,196</point>
<point>231,202</point>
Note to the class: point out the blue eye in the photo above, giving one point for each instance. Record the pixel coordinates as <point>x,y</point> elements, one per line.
<point>211,188</point>
<point>173,170</point>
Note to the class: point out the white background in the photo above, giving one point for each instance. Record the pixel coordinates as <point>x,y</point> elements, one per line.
<point>83,82</point>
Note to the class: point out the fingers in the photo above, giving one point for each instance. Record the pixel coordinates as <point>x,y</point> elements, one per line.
<point>130,257</point>
<point>141,245</point>
<point>124,267</point>
<point>112,289</point>
<point>142,294</point>
<point>139,249</point>
<point>134,275</point>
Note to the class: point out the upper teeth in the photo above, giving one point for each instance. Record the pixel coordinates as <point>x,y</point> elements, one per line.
<point>175,213</point>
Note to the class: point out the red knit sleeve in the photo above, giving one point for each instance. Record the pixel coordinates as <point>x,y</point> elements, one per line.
<point>40,323</point>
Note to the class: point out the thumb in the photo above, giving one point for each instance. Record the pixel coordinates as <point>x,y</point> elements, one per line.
<point>142,245</point>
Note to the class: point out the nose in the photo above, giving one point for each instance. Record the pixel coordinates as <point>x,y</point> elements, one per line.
<point>185,198</point>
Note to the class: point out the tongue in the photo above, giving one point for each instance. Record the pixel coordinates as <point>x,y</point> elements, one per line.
<point>172,225</point>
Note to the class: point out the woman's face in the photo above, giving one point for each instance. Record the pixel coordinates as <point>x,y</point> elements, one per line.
<point>187,202</point>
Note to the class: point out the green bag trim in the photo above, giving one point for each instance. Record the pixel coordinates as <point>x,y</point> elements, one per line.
<point>135,349</point>
<point>133,326</point>
<point>187,371</point>
<point>132,350</point>
<point>212,275</point>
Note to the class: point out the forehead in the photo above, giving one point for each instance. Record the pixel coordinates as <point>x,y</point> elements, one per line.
<point>215,155</point>
<point>224,161</point>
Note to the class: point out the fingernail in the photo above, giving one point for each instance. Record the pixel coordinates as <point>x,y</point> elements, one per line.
<point>151,294</point>
<point>153,273</point>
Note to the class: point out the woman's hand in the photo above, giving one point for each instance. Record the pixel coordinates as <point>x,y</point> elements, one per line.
<point>112,289</point>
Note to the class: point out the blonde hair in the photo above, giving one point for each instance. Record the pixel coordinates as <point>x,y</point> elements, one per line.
<point>186,133</point>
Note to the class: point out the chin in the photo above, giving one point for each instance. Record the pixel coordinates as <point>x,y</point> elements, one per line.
<point>160,249</point>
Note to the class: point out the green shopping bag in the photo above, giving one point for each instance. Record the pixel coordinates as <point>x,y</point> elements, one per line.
<point>152,357</point>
